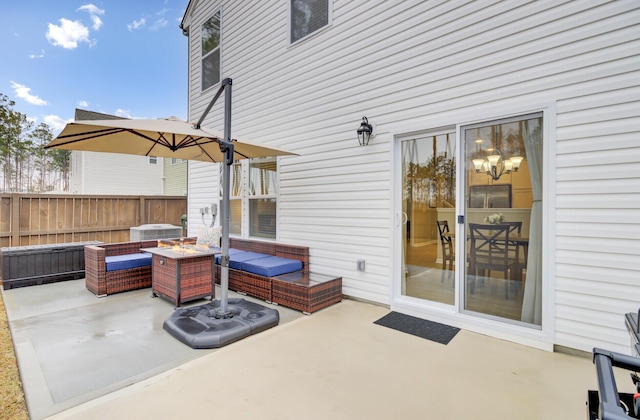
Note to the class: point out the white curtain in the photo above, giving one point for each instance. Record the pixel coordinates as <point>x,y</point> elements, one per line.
<point>532,302</point>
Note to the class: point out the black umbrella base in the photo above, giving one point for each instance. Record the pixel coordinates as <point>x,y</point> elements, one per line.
<point>203,327</point>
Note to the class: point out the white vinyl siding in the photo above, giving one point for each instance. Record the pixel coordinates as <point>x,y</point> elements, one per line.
<point>598,213</point>
<point>114,173</point>
<point>411,66</point>
<point>202,191</point>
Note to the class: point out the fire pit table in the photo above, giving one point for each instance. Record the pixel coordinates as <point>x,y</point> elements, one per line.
<point>182,273</point>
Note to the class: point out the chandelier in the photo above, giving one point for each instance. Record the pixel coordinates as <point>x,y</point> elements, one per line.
<point>495,164</point>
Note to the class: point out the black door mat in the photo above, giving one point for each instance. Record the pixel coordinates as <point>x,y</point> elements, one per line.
<point>430,330</point>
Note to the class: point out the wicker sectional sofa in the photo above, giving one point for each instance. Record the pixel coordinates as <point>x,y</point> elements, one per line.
<point>280,273</point>
<point>295,289</point>
<point>102,282</point>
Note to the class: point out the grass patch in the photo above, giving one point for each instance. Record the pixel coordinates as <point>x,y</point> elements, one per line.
<point>12,403</point>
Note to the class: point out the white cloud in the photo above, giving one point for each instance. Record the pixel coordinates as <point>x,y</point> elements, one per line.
<point>83,104</point>
<point>41,55</point>
<point>94,13</point>
<point>160,23</point>
<point>97,22</point>
<point>55,122</point>
<point>91,9</point>
<point>136,24</point>
<point>22,92</point>
<point>71,32</point>
<point>68,34</point>
<point>123,113</point>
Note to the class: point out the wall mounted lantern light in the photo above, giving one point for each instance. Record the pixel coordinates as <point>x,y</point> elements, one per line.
<point>365,132</point>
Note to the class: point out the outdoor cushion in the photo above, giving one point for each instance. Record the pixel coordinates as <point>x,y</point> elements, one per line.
<point>232,251</point>
<point>271,266</point>
<point>236,260</point>
<point>123,262</point>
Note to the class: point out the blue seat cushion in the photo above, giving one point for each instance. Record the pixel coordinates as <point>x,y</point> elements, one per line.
<point>236,260</point>
<point>123,262</point>
<point>271,266</point>
<point>232,251</point>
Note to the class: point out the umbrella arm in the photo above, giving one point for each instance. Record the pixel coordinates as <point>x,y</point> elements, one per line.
<point>223,84</point>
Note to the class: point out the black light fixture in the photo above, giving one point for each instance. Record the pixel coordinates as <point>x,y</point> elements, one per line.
<point>364,132</point>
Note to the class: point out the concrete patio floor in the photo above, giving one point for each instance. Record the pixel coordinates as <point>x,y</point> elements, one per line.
<point>81,357</point>
<point>73,347</point>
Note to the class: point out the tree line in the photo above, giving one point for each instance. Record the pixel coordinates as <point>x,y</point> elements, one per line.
<point>26,165</point>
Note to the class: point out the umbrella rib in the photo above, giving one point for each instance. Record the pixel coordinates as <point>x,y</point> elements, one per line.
<point>241,154</point>
<point>95,134</point>
<point>193,141</point>
<point>154,142</point>
<point>205,152</point>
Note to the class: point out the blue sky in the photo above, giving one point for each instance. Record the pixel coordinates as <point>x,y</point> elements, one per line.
<point>127,58</point>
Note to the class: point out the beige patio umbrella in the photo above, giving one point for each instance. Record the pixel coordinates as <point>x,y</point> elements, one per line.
<point>171,138</point>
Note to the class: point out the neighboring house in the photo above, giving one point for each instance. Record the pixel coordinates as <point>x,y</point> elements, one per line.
<point>121,174</point>
<point>553,85</point>
<point>175,177</point>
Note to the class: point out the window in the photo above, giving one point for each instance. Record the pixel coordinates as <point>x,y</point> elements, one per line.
<point>175,161</point>
<point>211,52</point>
<point>308,16</point>
<point>262,198</point>
<point>153,160</point>
<point>253,194</point>
<point>235,198</point>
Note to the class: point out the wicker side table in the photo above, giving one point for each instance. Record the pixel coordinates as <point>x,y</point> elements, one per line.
<point>306,292</point>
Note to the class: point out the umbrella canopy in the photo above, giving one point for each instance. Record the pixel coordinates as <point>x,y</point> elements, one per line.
<point>170,138</point>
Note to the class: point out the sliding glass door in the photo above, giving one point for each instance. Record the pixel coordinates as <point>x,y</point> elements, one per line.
<point>503,219</point>
<point>471,235</point>
<point>428,215</point>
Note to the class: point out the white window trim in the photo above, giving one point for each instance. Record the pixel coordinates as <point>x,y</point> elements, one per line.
<point>312,34</point>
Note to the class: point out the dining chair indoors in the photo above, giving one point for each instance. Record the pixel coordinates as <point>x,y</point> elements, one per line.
<point>514,247</point>
<point>448,251</point>
<point>490,250</point>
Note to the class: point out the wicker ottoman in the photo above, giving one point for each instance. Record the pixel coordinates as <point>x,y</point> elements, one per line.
<point>306,292</point>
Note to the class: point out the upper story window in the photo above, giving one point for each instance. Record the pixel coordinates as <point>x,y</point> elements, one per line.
<point>308,16</point>
<point>211,52</point>
<point>153,160</point>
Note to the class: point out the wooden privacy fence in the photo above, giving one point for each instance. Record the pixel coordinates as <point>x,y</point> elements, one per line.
<point>34,219</point>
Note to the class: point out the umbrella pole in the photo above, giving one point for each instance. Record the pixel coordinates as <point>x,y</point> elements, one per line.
<point>227,147</point>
